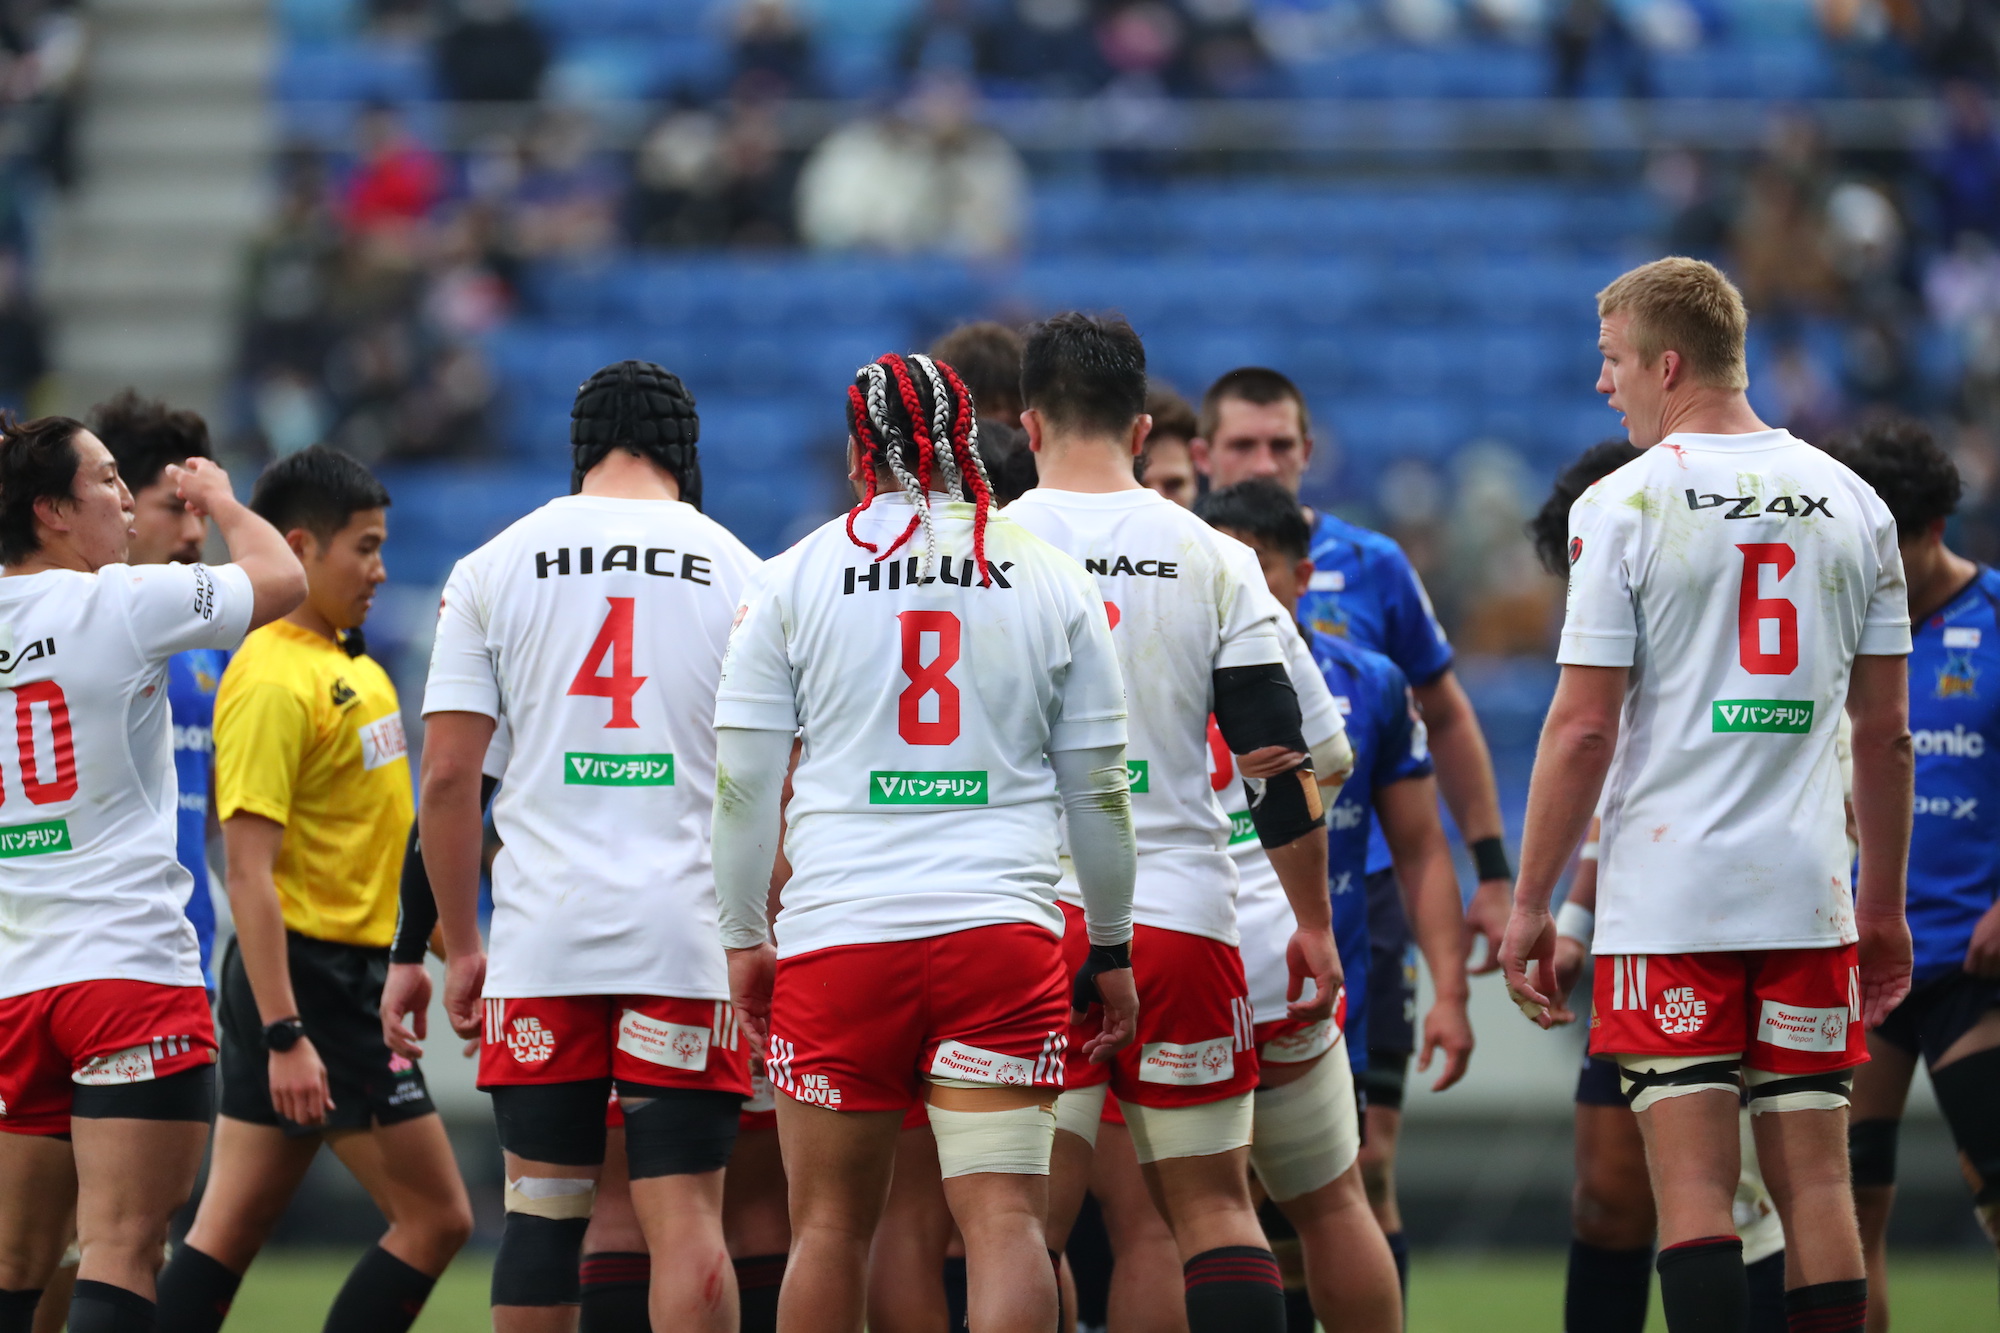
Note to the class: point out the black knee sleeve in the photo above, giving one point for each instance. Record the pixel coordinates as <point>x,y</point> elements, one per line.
<point>99,1307</point>
<point>188,1095</point>
<point>1256,706</point>
<point>558,1123</point>
<point>1386,1077</point>
<point>1871,1151</point>
<point>538,1260</point>
<point>1968,1092</point>
<point>678,1131</point>
<point>17,1310</point>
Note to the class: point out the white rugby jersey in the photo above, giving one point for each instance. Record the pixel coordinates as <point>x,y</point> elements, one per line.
<point>1263,912</point>
<point>595,628</point>
<point>1183,600</point>
<point>923,802</point>
<point>90,888</point>
<point>1738,576</point>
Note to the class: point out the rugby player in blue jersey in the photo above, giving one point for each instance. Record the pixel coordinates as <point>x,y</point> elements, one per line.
<point>1951,1019</point>
<point>1254,423</point>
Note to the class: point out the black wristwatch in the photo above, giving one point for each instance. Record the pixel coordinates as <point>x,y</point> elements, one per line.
<point>284,1034</point>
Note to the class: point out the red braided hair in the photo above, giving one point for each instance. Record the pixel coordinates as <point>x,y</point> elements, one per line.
<point>871,448</point>
<point>969,470</point>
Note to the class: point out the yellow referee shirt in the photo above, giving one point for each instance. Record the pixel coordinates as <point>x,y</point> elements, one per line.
<point>312,738</point>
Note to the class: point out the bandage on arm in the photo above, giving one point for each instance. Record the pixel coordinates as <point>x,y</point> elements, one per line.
<point>749,779</point>
<point>1256,707</point>
<point>1102,847</point>
<point>1333,764</point>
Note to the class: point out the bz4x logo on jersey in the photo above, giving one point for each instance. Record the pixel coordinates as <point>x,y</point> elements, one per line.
<point>1745,506</point>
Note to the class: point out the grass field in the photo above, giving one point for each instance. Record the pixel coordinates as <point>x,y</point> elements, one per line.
<point>289,1291</point>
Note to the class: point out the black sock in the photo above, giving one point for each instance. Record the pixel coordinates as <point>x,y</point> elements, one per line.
<point>615,1290</point>
<point>1607,1290</point>
<point>1702,1286</point>
<point>1828,1307</point>
<point>17,1310</point>
<point>956,1302</point>
<point>99,1307</point>
<point>1399,1250</point>
<point>1234,1289</point>
<point>758,1278</point>
<point>382,1294</point>
<point>1766,1279</point>
<point>196,1291</point>
<point>1299,1311</point>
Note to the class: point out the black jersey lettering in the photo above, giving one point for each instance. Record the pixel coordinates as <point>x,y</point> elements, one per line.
<point>622,557</point>
<point>652,565</point>
<point>543,564</point>
<point>1110,567</point>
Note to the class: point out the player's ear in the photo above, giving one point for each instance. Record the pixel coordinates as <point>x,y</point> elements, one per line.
<point>1198,454</point>
<point>1031,422</point>
<point>1142,426</point>
<point>1302,574</point>
<point>301,541</point>
<point>1671,369</point>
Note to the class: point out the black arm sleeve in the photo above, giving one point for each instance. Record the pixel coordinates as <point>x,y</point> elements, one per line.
<point>1256,706</point>
<point>417,912</point>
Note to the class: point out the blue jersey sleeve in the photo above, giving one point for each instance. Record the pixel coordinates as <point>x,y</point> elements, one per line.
<point>1411,635</point>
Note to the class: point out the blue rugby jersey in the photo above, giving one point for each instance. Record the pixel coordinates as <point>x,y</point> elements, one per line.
<point>191,680</point>
<point>1364,590</point>
<point>1389,746</point>
<point>1955,720</point>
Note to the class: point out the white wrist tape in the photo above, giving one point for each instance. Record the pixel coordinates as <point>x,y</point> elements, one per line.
<point>1588,852</point>
<point>1576,922</point>
<point>1014,1142</point>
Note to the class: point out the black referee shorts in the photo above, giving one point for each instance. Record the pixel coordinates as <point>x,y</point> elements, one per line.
<point>1937,1012</point>
<point>339,992</point>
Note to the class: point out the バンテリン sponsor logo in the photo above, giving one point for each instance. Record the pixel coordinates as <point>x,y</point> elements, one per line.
<point>1138,776</point>
<point>51,835</point>
<point>1786,716</point>
<point>618,770</point>
<point>893,788</point>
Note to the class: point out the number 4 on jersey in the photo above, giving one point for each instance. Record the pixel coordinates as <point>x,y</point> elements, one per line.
<point>614,640</point>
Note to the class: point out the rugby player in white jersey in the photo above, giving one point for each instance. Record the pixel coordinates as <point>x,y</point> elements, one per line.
<point>1730,590</point>
<point>596,627</point>
<point>107,1047</point>
<point>1197,633</point>
<point>952,683</point>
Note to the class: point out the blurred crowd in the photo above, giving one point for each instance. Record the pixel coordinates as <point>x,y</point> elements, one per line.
<point>42,46</point>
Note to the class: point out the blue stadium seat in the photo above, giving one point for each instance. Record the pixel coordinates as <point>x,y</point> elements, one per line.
<point>352,71</point>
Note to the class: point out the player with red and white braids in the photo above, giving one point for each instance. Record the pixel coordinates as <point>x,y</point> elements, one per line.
<point>919,945</point>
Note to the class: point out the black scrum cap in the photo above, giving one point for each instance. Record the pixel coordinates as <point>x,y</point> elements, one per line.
<point>639,406</point>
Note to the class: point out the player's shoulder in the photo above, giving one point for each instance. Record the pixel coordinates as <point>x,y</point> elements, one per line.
<point>1368,668</point>
<point>1987,580</point>
<point>278,654</point>
<point>1334,535</point>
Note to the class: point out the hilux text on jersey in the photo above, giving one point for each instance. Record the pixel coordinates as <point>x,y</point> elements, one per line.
<point>961,573</point>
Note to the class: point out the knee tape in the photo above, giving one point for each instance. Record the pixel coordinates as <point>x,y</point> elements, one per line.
<point>1797,1092</point>
<point>1304,1134</point>
<point>558,1123</point>
<point>557,1198</point>
<point>1653,1078</point>
<point>678,1131</point>
<point>1162,1132</point>
<point>1014,1142</point>
<point>1871,1151</point>
<point>1081,1110</point>
<point>1968,1092</point>
<point>538,1260</point>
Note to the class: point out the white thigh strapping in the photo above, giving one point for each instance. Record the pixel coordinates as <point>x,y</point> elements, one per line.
<point>1304,1134</point>
<point>1014,1142</point>
<point>1081,1111</point>
<point>1161,1132</point>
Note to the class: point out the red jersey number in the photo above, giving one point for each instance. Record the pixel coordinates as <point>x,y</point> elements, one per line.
<point>614,640</point>
<point>1754,611</point>
<point>930,678</point>
<point>40,787</point>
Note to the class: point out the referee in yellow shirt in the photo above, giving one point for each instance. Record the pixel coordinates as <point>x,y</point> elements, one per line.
<point>313,785</point>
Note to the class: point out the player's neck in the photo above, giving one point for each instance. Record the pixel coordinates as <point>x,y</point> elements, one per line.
<point>1705,411</point>
<point>623,476</point>
<point>308,618</point>
<point>1088,465</point>
<point>1935,574</point>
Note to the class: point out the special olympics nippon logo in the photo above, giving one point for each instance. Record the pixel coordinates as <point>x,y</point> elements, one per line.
<point>1833,1029</point>
<point>688,1045</point>
<point>1214,1058</point>
<point>530,1042</point>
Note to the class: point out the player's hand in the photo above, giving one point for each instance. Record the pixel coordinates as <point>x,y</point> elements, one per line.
<point>299,1089</point>
<point>1982,959</point>
<point>202,485</point>
<point>464,988</point>
<point>1885,963</point>
<point>1268,762</point>
<point>1486,916</point>
<point>1527,959</point>
<point>1118,995</point>
<point>751,974</point>
<point>1310,955</point>
<point>1447,1028</point>
<point>407,993</point>
<point>1570,958</point>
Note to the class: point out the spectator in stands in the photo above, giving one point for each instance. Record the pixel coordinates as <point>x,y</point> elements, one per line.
<point>759,177</point>
<point>23,339</point>
<point>491,52</point>
<point>987,356</point>
<point>944,36</point>
<point>772,52</point>
<point>678,177</point>
<point>1045,47</point>
<point>1779,241</point>
<point>1225,55</point>
<point>1965,172</point>
<point>1684,182</point>
<point>568,200</point>
<point>293,266</point>
<point>397,182</point>
<point>924,177</point>
<point>1582,31</point>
